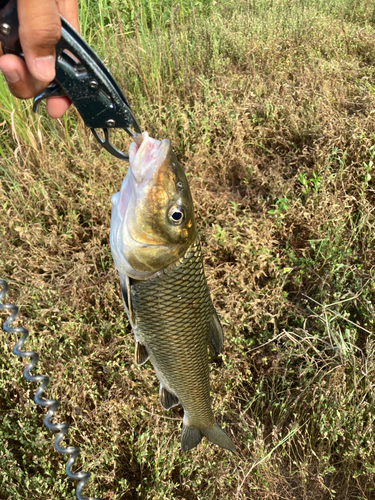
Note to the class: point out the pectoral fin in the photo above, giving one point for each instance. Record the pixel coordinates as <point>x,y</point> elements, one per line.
<point>141,354</point>
<point>126,298</point>
<point>167,399</point>
<point>215,335</point>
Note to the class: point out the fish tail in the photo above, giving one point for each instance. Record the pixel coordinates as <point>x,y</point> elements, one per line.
<point>192,436</point>
<point>216,435</point>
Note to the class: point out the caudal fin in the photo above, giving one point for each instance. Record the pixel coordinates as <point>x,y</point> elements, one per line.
<point>192,436</point>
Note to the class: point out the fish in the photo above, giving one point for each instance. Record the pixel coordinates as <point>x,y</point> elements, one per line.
<point>157,253</point>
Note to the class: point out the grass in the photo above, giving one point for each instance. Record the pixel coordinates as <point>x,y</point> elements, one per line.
<point>269,106</point>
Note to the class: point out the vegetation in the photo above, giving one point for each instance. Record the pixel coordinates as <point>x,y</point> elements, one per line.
<point>270,107</point>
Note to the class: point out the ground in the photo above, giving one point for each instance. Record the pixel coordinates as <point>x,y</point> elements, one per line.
<point>269,106</point>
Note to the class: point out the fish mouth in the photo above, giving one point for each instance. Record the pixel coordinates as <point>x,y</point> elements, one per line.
<point>146,156</point>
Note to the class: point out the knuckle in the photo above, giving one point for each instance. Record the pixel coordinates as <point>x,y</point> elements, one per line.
<point>43,37</point>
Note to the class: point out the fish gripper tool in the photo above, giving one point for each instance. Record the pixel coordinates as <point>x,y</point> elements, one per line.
<point>51,404</point>
<point>80,75</point>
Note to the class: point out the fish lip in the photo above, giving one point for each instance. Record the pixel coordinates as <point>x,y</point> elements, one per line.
<point>146,158</point>
<point>141,148</point>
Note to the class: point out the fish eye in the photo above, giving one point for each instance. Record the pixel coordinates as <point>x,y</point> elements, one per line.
<point>176,215</point>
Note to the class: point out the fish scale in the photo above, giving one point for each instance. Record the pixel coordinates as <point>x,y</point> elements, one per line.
<point>172,313</point>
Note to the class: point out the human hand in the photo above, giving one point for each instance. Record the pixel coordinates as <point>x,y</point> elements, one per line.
<point>39,32</point>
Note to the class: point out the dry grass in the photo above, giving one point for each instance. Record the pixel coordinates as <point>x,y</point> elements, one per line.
<point>270,107</point>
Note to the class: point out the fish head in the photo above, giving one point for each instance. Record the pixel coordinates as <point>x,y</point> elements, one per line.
<point>152,223</point>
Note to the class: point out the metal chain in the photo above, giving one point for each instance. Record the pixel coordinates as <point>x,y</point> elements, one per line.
<point>51,404</point>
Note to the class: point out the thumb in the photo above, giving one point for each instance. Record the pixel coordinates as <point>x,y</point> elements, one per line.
<point>39,32</point>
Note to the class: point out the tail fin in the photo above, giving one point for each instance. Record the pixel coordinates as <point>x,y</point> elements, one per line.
<point>192,436</point>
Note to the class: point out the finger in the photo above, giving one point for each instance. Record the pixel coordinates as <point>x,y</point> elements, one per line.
<point>39,31</point>
<point>68,9</point>
<point>20,82</point>
<point>56,106</point>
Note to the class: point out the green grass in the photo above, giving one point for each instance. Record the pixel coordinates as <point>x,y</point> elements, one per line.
<point>269,106</point>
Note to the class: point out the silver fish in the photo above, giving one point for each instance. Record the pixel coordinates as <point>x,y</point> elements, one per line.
<point>157,253</point>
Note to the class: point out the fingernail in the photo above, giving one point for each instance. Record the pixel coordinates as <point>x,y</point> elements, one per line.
<point>11,76</point>
<point>45,67</point>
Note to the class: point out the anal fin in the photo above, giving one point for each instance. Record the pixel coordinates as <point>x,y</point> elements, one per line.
<point>167,399</point>
<point>141,354</point>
